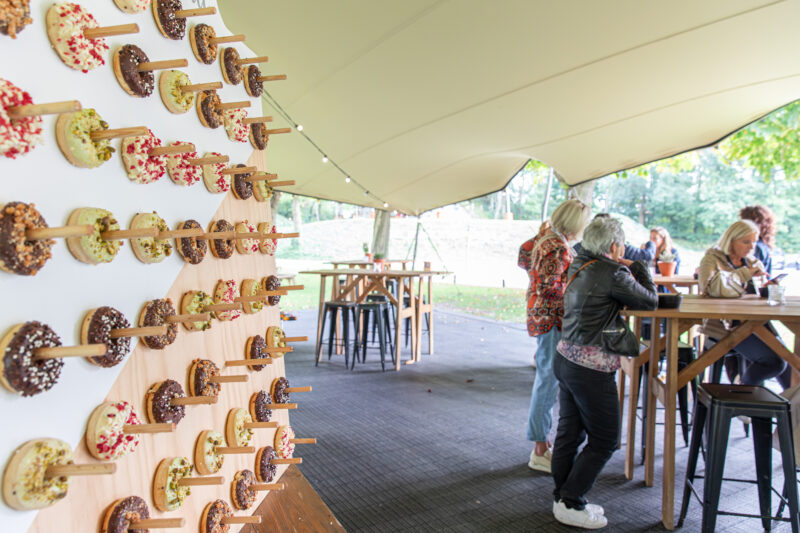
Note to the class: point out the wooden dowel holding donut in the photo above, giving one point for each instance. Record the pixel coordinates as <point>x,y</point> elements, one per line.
<point>199,317</point>
<point>149,66</point>
<point>226,450</point>
<point>60,232</point>
<point>122,234</point>
<point>249,362</point>
<point>298,389</point>
<point>210,160</point>
<point>276,77</point>
<point>194,400</point>
<point>279,130</point>
<point>295,339</point>
<point>288,461</point>
<point>266,486</point>
<point>292,287</point>
<point>252,60</point>
<point>185,13</point>
<point>239,170</point>
<point>35,110</point>
<point>280,406</point>
<point>196,481</point>
<point>239,378</point>
<point>241,520</point>
<point>197,87</point>
<point>258,297</point>
<point>255,120</point>
<point>223,307</point>
<point>101,135</point>
<point>174,149</point>
<point>288,236</point>
<point>234,105</point>
<point>261,425</point>
<point>181,233</point>
<point>81,350</point>
<point>146,331</point>
<point>282,183</point>
<point>261,177</point>
<point>310,440</point>
<point>238,38</point>
<point>157,523</point>
<point>135,429</point>
<point>93,469</point>
<point>108,31</point>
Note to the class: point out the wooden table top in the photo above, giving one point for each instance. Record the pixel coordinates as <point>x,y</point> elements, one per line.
<point>748,307</point>
<point>680,281</point>
<point>367,261</point>
<point>368,272</point>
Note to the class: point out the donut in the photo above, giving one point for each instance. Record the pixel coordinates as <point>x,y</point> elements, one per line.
<point>252,84</point>
<point>215,181</point>
<point>231,72</point>
<point>14,16</point>
<point>20,136</point>
<point>275,339</point>
<point>105,438</point>
<point>199,373</point>
<point>193,303</point>
<point>199,37</point>
<point>96,329</point>
<point>180,171</point>
<point>254,349</point>
<point>265,470</point>
<point>224,293</point>
<point>126,69</point>
<point>18,255</point>
<point>150,249</point>
<point>211,519</point>
<point>20,371</point>
<point>73,134</point>
<point>132,6</point>
<point>267,246</point>
<point>242,189</point>
<point>65,24</point>
<point>284,448</point>
<point>272,283</point>
<point>206,459</point>
<point>236,129</point>
<point>157,401</point>
<point>167,494</point>
<point>246,246</point>
<point>93,249</point>
<point>242,496</point>
<point>139,164</point>
<point>208,110</point>
<point>192,249</point>
<point>251,287</point>
<point>235,432</point>
<point>25,483</point>
<point>278,390</point>
<point>221,248</point>
<point>123,512</point>
<point>169,88</point>
<point>155,313</point>
<point>258,409</point>
<point>262,190</point>
<point>168,24</point>
<point>258,135</point>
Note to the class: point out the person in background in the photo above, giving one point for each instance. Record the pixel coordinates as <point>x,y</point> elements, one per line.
<point>546,258</point>
<point>663,241</point>
<point>601,282</point>
<point>767,228</point>
<point>645,254</point>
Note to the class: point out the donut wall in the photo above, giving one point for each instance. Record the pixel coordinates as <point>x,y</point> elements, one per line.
<point>119,306</point>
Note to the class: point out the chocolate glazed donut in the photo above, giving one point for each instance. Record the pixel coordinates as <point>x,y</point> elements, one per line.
<point>212,517</point>
<point>18,254</point>
<point>155,313</point>
<point>206,52</point>
<point>140,83</point>
<point>242,189</point>
<point>172,27</point>
<point>254,85</point>
<point>221,248</point>
<point>204,369</point>
<point>279,394</point>
<point>265,470</point>
<point>232,72</point>
<point>98,325</point>
<point>258,135</point>
<point>192,249</point>
<point>21,370</point>
<point>124,511</point>
<point>158,402</point>
<point>242,496</point>
<point>257,346</point>
<point>208,105</point>
<point>272,283</point>
<point>260,412</point>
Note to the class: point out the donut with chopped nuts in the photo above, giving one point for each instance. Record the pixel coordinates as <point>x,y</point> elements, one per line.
<point>231,72</point>
<point>155,313</point>
<point>200,37</point>
<point>242,495</point>
<point>200,373</point>
<point>18,255</point>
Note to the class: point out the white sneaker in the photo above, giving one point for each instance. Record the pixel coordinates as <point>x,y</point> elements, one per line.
<point>592,507</point>
<point>573,517</point>
<point>540,462</point>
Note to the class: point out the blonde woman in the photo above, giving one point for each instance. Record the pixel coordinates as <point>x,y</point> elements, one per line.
<point>661,237</point>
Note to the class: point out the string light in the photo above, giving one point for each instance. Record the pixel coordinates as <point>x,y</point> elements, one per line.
<point>385,204</point>
<point>324,159</point>
<point>347,179</point>
<point>299,127</point>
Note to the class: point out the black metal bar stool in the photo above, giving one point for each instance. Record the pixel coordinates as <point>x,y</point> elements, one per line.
<point>348,309</point>
<point>721,403</point>
<point>379,311</point>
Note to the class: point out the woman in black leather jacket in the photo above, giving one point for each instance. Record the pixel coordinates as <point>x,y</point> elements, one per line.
<point>594,336</point>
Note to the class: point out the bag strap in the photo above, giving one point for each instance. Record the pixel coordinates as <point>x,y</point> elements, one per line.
<point>572,278</point>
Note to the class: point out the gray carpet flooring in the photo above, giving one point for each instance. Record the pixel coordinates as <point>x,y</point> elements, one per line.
<point>440,445</point>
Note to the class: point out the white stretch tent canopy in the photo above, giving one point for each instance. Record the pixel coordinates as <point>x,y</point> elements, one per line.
<point>429,102</point>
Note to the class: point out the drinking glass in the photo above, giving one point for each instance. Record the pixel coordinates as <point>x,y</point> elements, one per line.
<point>776,294</point>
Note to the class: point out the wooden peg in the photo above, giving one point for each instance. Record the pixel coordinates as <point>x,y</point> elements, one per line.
<point>288,236</point>
<point>293,288</point>
<point>311,440</point>
<point>266,486</point>
<point>279,130</point>
<point>181,233</point>
<point>252,60</point>
<point>35,110</point>
<point>156,523</point>
<point>197,87</point>
<point>122,234</point>
<point>261,177</point>
<point>199,317</point>
<point>92,469</point>
<point>108,31</point>
<point>239,170</point>
<point>249,362</point>
<point>280,406</point>
<point>60,232</point>
<point>241,520</point>
<point>239,378</point>
<point>271,235</point>
<point>234,105</point>
<point>147,331</point>
<point>298,389</point>
<point>282,183</point>
<point>195,481</point>
<point>295,339</point>
<point>81,350</point>
<point>258,297</point>
<point>260,425</point>
<point>288,461</point>
<point>101,135</point>
<point>223,307</point>
<point>276,77</point>
<point>134,429</point>
<point>194,400</point>
<point>225,450</point>
<point>210,160</point>
<point>149,66</point>
<point>185,13</point>
<point>173,149</point>
<point>238,38</point>
<point>255,120</point>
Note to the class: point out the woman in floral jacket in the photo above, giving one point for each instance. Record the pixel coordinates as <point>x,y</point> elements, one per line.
<point>546,258</point>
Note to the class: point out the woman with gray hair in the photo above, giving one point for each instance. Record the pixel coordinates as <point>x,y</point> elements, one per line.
<point>594,336</point>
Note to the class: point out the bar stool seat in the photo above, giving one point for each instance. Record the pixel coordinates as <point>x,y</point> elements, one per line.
<point>348,310</point>
<point>379,311</point>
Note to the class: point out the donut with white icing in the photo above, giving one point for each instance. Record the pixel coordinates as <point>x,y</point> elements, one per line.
<point>284,448</point>
<point>236,129</point>
<point>139,164</point>
<point>150,249</point>
<point>167,494</point>
<point>225,292</point>
<point>180,170</point>
<point>25,482</point>
<point>206,459</point>
<point>169,88</point>
<point>246,246</point>
<point>93,249</point>
<point>132,6</point>
<point>236,434</point>
<point>19,136</point>
<point>215,181</point>
<point>105,436</point>
<point>267,246</point>
<point>194,303</point>
<point>66,22</point>
<point>251,287</point>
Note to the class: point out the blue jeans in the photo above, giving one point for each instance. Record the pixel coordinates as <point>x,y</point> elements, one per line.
<point>545,387</point>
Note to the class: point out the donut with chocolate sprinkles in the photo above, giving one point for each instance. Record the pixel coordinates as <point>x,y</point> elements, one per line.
<point>211,519</point>
<point>221,248</point>
<point>278,390</point>
<point>242,189</point>
<point>242,496</point>
<point>272,283</point>
<point>258,409</point>
<point>265,470</point>
<point>192,249</point>
<point>255,349</point>
<point>231,72</point>
<point>201,371</point>
<point>18,255</point>
<point>204,51</point>
<point>208,110</point>
<point>168,24</point>
<point>126,68</point>
<point>252,84</point>
<point>20,370</point>
<point>123,512</point>
<point>158,401</point>
<point>258,136</point>
<point>155,313</point>
<point>96,329</point>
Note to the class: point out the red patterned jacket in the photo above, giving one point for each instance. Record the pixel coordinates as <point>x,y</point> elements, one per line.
<point>547,266</point>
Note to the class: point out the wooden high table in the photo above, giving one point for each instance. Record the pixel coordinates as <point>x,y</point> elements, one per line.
<point>753,312</point>
<point>366,263</point>
<point>673,282</point>
<point>371,281</point>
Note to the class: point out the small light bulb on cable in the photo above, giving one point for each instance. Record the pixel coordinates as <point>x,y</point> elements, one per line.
<point>385,204</point>
<point>324,158</point>
<point>299,127</point>
<point>366,193</point>
<point>347,179</point>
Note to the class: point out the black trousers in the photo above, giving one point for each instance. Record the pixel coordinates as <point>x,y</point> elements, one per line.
<point>588,407</point>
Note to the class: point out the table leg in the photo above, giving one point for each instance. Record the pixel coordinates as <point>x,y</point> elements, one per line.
<point>398,327</point>
<point>320,315</point>
<point>670,392</point>
<point>430,316</point>
<point>650,436</point>
<point>633,402</point>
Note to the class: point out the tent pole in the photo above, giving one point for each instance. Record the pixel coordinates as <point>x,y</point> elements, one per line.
<point>547,195</point>
<point>416,241</point>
